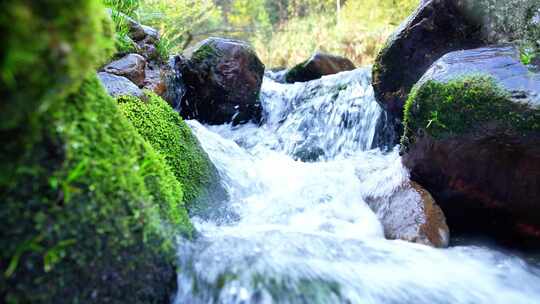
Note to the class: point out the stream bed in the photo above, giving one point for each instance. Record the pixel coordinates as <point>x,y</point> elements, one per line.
<point>297,228</point>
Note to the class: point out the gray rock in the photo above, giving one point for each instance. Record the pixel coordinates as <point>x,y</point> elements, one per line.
<point>500,62</point>
<point>119,86</point>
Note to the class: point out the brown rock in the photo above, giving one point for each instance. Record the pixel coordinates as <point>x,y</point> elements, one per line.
<point>222,80</point>
<point>411,214</point>
<point>482,163</point>
<point>317,66</point>
<point>131,66</point>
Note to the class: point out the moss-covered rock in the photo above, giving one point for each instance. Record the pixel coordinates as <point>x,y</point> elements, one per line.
<point>165,130</point>
<point>93,211</point>
<point>462,105</point>
<point>473,141</point>
<point>438,27</point>
<point>90,211</point>
<point>222,80</point>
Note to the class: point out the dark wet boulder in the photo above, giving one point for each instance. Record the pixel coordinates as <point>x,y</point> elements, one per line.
<point>317,66</point>
<point>472,139</point>
<point>434,29</point>
<point>438,27</point>
<point>222,78</point>
<point>131,66</point>
<point>411,214</point>
<point>119,86</point>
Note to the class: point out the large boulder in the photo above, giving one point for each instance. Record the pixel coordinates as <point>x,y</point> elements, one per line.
<point>222,79</point>
<point>131,66</point>
<point>434,29</point>
<point>317,66</point>
<point>441,26</point>
<point>472,138</point>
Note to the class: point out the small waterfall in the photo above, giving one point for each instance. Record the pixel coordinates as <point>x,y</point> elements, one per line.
<point>302,231</point>
<point>321,119</point>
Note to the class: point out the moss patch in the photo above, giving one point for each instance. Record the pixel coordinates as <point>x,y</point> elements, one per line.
<point>206,51</point>
<point>165,130</point>
<point>47,49</point>
<point>462,105</point>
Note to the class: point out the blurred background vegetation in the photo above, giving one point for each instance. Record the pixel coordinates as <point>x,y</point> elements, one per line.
<point>283,32</point>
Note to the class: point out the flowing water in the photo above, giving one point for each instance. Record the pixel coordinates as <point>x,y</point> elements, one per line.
<point>297,228</point>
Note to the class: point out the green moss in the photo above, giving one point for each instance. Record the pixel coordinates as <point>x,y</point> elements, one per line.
<point>206,51</point>
<point>165,130</point>
<point>90,211</point>
<point>92,200</point>
<point>463,105</point>
<point>47,49</point>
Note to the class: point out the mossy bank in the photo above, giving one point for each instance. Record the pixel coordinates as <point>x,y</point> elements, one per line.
<point>166,131</point>
<point>91,210</point>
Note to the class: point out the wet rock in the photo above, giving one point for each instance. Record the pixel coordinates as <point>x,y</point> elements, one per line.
<point>435,28</point>
<point>119,85</point>
<point>222,78</point>
<point>131,66</point>
<point>438,27</point>
<point>318,65</point>
<point>411,214</point>
<point>472,139</point>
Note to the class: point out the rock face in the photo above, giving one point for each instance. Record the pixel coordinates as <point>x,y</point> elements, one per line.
<point>317,66</point>
<point>435,28</point>
<point>411,214</point>
<point>131,66</point>
<point>119,86</point>
<point>223,79</point>
<point>474,142</point>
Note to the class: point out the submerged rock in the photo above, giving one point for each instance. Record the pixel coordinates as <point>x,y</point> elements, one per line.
<point>317,66</point>
<point>411,214</point>
<point>472,138</point>
<point>223,79</point>
<point>131,66</point>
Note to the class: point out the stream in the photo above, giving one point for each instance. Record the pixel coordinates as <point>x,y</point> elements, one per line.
<point>297,228</point>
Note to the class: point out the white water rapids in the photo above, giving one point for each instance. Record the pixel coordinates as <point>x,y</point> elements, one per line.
<point>297,228</point>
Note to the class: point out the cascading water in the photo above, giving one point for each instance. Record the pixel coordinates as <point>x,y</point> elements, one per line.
<point>300,230</point>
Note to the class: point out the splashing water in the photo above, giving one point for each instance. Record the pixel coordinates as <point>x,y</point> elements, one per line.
<point>302,231</point>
